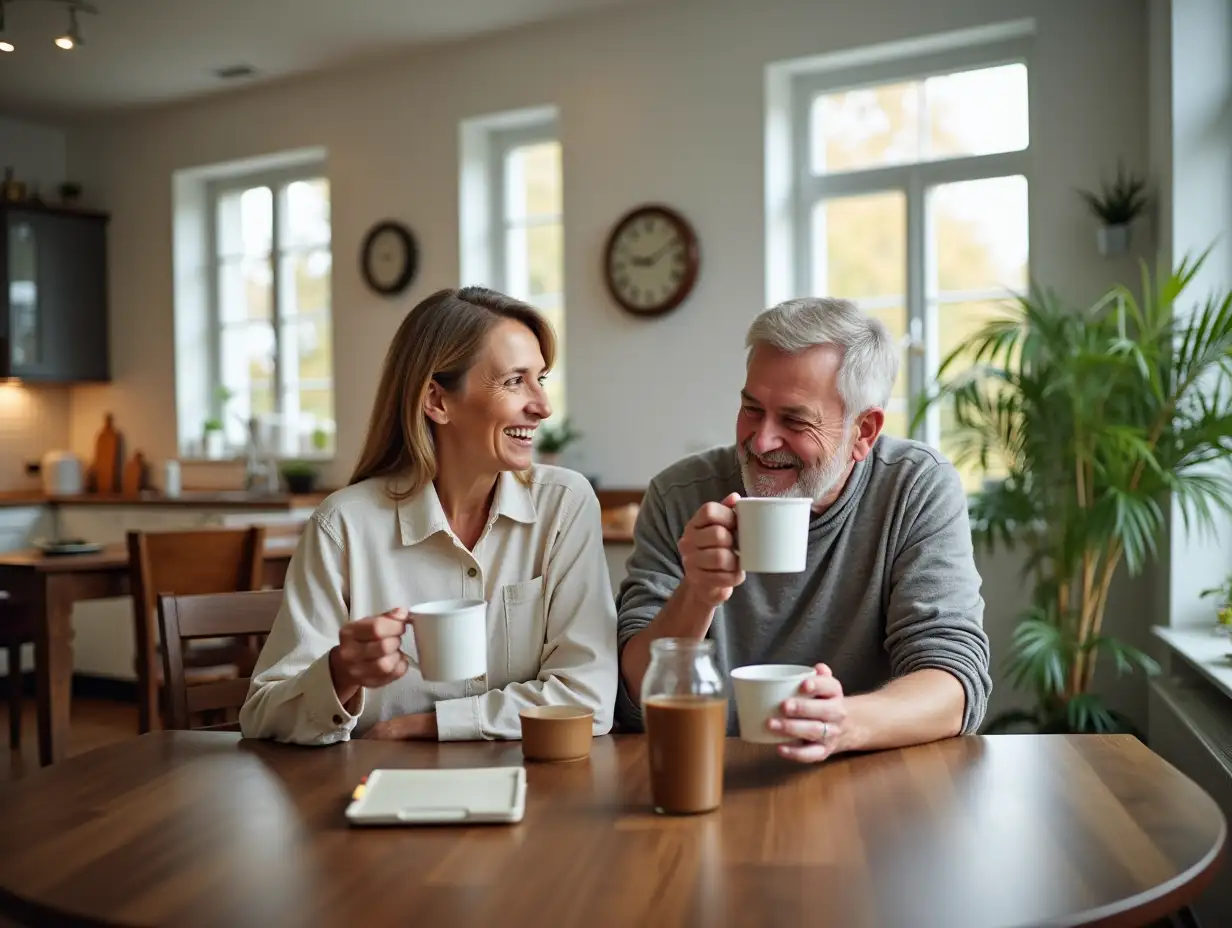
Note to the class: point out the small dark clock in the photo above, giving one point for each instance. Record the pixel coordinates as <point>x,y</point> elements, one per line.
<point>389,258</point>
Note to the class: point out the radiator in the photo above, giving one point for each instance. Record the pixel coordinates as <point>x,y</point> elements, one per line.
<point>1191,728</point>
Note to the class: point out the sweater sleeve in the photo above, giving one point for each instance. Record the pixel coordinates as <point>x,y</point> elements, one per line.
<point>936,613</point>
<point>654,570</point>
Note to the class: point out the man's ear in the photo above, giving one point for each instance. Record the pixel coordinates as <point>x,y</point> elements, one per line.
<point>434,404</point>
<point>868,428</point>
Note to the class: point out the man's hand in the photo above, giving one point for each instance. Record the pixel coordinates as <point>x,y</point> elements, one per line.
<point>817,718</point>
<point>420,725</point>
<point>707,551</point>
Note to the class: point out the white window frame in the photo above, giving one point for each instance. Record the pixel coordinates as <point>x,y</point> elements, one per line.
<point>215,190</point>
<point>913,180</point>
<point>501,143</point>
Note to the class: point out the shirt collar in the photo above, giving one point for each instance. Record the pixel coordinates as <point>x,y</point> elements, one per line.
<point>421,516</point>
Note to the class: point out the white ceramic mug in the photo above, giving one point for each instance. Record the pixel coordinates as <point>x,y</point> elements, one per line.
<point>772,534</point>
<point>451,638</point>
<point>761,690</point>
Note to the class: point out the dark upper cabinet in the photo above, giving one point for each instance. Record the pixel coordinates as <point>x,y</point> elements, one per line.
<point>53,306</point>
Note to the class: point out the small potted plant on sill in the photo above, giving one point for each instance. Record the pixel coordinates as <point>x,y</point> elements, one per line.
<point>1117,205</point>
<point>70,193</point>
<point>1223,598</point>
<point>299,476</point>
<point>212,438</point>
<point>553,440</point>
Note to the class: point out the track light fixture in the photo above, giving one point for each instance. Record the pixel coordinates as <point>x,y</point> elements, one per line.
<point>69,40</point>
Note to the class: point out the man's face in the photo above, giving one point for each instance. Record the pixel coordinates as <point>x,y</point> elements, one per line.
<point>792,435</point>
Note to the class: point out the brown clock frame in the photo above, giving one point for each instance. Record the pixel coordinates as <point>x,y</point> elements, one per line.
<point>692,258</point>
<point>409,243</point>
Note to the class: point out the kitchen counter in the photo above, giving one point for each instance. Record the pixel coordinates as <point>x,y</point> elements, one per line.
<point>197,499</point>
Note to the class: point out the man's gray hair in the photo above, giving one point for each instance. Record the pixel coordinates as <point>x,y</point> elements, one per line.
<point>870,358</point>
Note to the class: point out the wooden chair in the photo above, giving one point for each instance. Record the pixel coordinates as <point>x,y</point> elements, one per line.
<point>185,564</point>
<point>15,630</point>
<point>184,619</point>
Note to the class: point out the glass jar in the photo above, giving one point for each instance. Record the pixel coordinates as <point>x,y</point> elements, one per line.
<point>684,709</point>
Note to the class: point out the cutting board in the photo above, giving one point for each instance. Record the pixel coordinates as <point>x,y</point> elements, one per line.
<point>108,451</point>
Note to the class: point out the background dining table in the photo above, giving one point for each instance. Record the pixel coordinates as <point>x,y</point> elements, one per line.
<point>49,585</point>
<point>205,828</point>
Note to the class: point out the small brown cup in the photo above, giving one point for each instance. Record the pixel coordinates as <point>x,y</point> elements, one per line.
<point>556,733</point>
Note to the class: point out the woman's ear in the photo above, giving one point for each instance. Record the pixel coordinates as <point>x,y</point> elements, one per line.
<point>434,404</point>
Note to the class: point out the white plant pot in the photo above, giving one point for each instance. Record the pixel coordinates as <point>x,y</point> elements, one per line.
<point>1113,240</point>
<point>214,444</point>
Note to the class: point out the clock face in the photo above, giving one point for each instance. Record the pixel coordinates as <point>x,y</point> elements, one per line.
<point>390,258</point>
<point>652,260</point>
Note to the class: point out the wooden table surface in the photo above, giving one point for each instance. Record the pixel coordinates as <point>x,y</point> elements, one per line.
<point>202,828</point>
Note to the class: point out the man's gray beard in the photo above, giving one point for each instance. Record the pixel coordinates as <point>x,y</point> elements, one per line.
<point>814,483</point>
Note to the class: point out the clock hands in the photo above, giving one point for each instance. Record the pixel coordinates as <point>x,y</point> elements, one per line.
<point>648,260</point>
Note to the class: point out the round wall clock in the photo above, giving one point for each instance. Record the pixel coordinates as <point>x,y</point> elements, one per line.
<point>389,258</point>
<point>651,261</point>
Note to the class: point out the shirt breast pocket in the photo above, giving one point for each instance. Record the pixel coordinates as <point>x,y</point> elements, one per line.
<point>525,628</point>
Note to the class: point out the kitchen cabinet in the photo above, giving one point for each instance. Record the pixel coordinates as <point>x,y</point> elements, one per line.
<point>53,295</point>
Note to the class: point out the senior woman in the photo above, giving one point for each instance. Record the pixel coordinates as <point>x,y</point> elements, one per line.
<point>445,503</point>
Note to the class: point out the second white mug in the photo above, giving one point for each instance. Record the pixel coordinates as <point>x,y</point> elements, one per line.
<point>451,638</point>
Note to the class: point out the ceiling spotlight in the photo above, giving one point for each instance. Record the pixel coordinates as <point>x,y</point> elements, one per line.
<point>72,38</point>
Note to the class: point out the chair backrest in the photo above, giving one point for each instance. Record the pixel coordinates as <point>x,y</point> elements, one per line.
<point>211,615</point>
<point>184,563</point>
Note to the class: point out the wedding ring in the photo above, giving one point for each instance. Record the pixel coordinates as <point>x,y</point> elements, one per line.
<point>825,730</point>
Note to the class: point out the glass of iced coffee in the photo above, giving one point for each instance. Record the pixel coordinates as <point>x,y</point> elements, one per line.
<point>684,707</point>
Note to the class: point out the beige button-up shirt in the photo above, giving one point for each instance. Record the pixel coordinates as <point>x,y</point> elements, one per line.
<point>539,565</point>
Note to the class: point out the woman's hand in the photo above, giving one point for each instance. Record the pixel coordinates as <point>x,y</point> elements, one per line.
<point>368,654</point>
<point>405,728</point>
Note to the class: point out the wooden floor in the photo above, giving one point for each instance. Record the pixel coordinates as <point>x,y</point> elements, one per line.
<point>96,723</point>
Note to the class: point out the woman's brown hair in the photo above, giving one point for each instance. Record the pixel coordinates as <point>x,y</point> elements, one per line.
<point>440,339</point>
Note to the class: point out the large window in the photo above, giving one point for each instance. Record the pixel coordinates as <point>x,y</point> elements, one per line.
<point>910,198</point>
<point>527,238</point>
<point>269,267</point>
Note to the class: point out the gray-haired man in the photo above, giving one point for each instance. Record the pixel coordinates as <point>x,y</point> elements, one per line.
<point>890,599</point>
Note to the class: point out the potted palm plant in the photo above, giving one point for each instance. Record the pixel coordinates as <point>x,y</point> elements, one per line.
<point>553,439</point>
<point>1095,416</point>
<point>1117,205</point>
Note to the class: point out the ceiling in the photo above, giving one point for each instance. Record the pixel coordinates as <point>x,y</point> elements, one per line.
<point>142,52</point>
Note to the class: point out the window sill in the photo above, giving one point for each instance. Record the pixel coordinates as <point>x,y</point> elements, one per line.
<point>240,460</point>
<point>1202,648</point>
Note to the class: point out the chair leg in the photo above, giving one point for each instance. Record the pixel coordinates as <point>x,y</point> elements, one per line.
<point>15,695</point>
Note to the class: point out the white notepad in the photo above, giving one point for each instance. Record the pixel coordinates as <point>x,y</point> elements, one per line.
<point>441,797</point>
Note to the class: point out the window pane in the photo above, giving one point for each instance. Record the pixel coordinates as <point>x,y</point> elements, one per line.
<point>247,367</point>
<point>860,246</point>
<point>866,127</point>
<point>533,181</point>
<point>306,282</point>
<point>980,235</point>
<point>896,423</point>
<point>305,213</point>
<point>245,221</point>
<point>244,290</point>
<point>535,261</point>
<point>313,429</point>
<point>977,112</point>
<point>956,323</point>
<point>309,355</point>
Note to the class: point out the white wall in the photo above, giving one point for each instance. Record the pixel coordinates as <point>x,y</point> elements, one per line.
<point>661,104</point>
<point>32,419</point>
<point>36,154</point>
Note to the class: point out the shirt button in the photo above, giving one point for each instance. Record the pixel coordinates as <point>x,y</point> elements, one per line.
<point>472,572</point>
<point>337,720</point>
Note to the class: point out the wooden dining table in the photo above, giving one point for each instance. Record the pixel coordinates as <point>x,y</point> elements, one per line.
<point>206,828</point>
<point>48,586</point>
